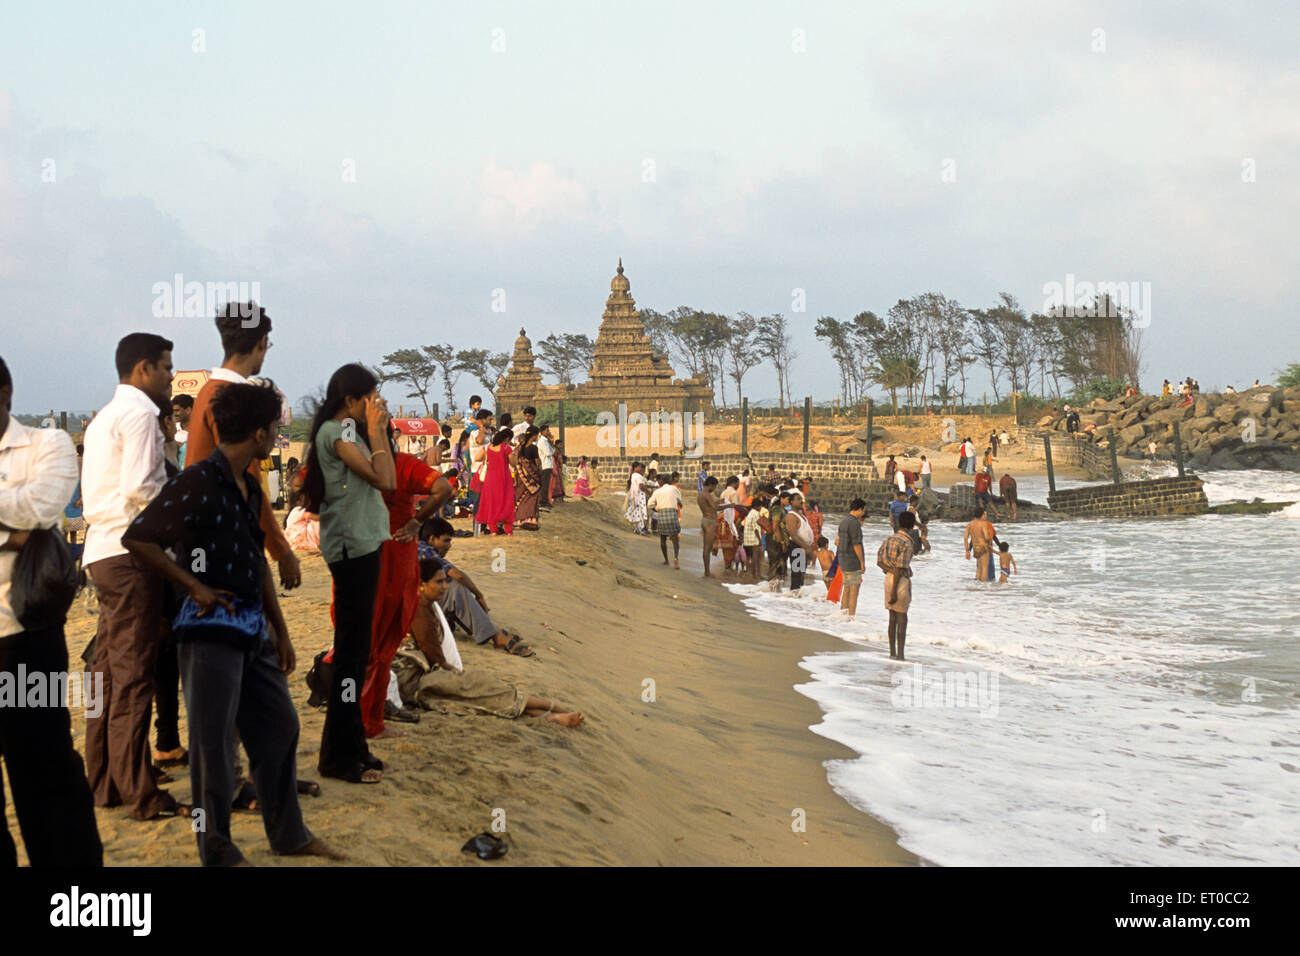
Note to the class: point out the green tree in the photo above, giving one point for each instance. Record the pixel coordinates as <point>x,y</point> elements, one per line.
<point>486,367</point>
<point>446,359</point>
<point>562,355</point>
<point>410,367</point>
<point>1289,377</point>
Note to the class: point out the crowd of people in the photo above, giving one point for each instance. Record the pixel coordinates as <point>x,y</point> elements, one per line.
<point>180,542</point>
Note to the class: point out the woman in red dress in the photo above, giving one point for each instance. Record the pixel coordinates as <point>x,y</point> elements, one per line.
<point>496,504</point>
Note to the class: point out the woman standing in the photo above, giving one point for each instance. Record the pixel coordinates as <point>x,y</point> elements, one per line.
<point>496,505</point>
<point>528,480</point>
<point>349,464</point>
<point>557,472</point>
<point>582,487</point>
<point>635,513</point>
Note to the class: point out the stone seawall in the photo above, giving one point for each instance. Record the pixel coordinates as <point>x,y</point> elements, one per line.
<point>1069,451</point>
<point>836,479</point>
<point>1131,499</point>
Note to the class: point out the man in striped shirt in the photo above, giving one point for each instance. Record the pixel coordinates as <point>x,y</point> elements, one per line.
<point>894,557</point>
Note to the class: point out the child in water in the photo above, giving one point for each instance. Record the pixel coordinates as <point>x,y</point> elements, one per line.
<point>1005,562</point>
<point>822,552</point>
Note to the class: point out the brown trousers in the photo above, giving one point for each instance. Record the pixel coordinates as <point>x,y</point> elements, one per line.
<point>118,761</point>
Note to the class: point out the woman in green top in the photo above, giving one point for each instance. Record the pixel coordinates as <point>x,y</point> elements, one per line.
<point>349,463</point>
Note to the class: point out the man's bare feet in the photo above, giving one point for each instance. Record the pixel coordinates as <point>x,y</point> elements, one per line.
<point>676,566</point>
<point>566,718</point>
<point>389,732</point>
<point>316,847</point>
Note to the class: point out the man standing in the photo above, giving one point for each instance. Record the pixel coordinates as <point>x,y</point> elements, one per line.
<point>980,537</point>
<point>894,557</point>
<point>896,508</point>
<point>700,480</point>
<point>708,517</point>
<point>546,459</point>
<point>666,506</point>
<point>122,473</point>
<point>891,467</point>
<point>245,330</point>
<point>848,548</point>
<point>1071,422</point>
<point>182,406</point>
<point>38,472</point>
<point>801,540</point>
<point>519,428</point>
<point>983,482</point>
<point>233,644</point>
<point>1007,485</point>
<point>926,471</point>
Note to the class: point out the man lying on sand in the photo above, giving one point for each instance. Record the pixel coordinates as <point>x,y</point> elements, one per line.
<point>424,673</point>
<point>464,603</point>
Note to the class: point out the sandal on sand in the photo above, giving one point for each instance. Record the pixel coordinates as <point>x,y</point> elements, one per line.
<point>177,809</point>
<point>518,648</point>
<point>358,774</point>
<point>309,787</point>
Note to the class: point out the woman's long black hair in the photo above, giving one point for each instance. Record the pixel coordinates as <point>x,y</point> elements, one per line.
<point>350,381</point>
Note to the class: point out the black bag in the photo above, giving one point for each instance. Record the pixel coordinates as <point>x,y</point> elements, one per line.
<point>319,680</point>
<point>44,581</point>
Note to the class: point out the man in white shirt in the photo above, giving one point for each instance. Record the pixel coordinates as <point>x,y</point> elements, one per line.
<point>121,473</point>
<point>546,460</point>
<point>38,472</point>
<point>666,505</point>
<point>519,428</point>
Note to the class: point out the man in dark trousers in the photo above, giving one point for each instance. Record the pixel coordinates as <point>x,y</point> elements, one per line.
<point>38,472</point>
<point>233,644</point>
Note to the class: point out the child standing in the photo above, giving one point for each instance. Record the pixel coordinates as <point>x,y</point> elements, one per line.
<point>1006,563</point>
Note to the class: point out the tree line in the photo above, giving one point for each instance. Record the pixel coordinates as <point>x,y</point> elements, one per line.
<point>927,345</point>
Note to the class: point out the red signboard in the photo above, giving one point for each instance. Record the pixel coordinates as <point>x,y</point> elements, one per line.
<point>417,426</point>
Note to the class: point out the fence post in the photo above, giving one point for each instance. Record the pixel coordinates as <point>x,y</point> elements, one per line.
<point>1178,449</point>
<point>871,409</point>
<point>807,416</point>
<point>744,427</point>
<point>436,416</point>
<point>1114,458</point>
<point>1051,473</point>
<point>622,429</point>
<point>561,414</point>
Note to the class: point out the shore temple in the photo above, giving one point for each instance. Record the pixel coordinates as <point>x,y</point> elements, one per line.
<point>624,368</point>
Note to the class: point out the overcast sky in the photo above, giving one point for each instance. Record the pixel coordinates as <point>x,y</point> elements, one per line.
<point>731,153</point>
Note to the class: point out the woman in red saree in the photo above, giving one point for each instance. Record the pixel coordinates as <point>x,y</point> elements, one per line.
<point>528,480</point>
<point>496,505</point>
<point>557,472</point>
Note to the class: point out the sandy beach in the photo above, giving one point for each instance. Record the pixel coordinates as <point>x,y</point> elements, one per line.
<point>709,772</point>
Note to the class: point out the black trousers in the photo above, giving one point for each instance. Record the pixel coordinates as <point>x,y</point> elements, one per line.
<point>51,796</point>
<point>167,698</point>
<point>798,565</point>
<point>227,687</point>
<point>343,749</point>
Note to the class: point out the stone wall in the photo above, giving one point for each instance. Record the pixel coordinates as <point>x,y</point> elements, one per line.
<point>836,479</point>
<point>1070,451</point>
<point>1132,499</point>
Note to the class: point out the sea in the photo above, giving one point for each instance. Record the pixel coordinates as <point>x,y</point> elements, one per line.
<point>1130,697</point>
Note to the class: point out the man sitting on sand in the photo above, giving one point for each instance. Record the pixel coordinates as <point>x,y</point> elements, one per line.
<point>425,675</point>
<point>980,538</point>
<point>464,603</point>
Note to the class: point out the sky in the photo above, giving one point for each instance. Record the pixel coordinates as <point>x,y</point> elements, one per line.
<point>380,171</point>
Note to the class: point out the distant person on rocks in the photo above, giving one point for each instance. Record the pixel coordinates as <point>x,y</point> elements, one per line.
<point>980,538</point>
<point>894,558</point>
<point>1229,391</point>
<point>1151,449</point>
<point>848,551</point>
<point>1071,422</point>
<point>1007,486</point>
<point>1166,390</point>
<point>983,497</point>
<point>927,470</point>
